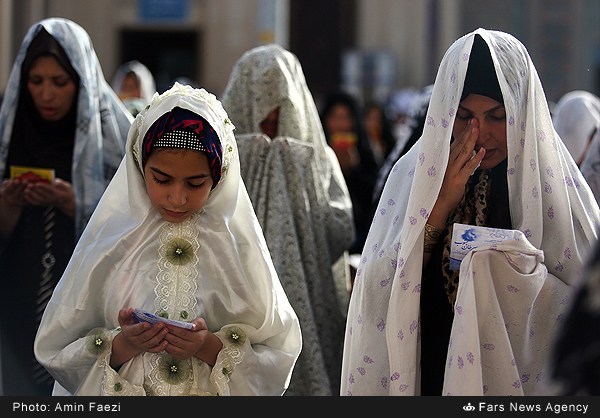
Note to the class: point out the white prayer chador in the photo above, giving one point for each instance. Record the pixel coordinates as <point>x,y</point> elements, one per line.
<point>102,120</point>
<point>510,297</point>
<point>123,260</point>
<point>302,202</point>
<point>576,118</point>
<point>145,78</point>
<point>590,167</point>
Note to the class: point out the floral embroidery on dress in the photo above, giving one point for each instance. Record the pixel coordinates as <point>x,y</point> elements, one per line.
<point>174,371</point>
<point>168,376</point>
<point>97,341</point>
<point>179,251</point>
<point>236,336</point>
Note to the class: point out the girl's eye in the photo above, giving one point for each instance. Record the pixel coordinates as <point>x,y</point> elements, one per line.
<point>463,116</point>
<point>159,181</point>
<point>197,186</point>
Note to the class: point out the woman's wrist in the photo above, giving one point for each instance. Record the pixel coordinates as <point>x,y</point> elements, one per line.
<point>432,237</point>
<point>67,206</point>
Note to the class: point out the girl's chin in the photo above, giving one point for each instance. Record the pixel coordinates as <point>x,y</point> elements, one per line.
<point>174,217</point>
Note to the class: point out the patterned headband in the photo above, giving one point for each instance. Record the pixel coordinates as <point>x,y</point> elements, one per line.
<point>180,139</point>
<point>182,128</point>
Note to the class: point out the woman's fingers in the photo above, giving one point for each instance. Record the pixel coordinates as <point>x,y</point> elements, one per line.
<point>473,163</point>
<point>462,148</point>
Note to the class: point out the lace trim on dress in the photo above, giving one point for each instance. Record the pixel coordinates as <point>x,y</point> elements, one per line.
<point>176,279</point>
<point>176,299</point>
<point>233,352</point>
<point>113,384</point>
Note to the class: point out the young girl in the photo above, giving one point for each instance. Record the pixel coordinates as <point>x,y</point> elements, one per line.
<point>175,234</point>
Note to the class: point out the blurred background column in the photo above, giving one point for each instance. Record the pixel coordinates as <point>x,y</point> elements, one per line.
<point>273,22</point>
<point>5,54</point>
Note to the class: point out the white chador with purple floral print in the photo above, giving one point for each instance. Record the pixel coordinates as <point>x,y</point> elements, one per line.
<point>511,296</point>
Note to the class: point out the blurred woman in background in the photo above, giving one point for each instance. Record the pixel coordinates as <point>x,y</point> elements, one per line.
<point>60,117</point>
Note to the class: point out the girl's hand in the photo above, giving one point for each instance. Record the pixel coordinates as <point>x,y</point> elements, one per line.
<point>184,343</point>
<point>142,336</point>
<point>199,342</point>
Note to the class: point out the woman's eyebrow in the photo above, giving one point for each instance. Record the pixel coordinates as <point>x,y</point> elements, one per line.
<point>500,106</point>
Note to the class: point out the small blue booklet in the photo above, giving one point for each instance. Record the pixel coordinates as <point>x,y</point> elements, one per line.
<point>467,237</point>
<point>144,316</point>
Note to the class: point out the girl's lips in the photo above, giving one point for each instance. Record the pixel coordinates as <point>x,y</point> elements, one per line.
<point>174,214</point>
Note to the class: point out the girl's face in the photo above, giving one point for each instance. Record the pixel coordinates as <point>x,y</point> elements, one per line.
<point>491,116</point>
<point>51,88</point>
<point>178,182</point>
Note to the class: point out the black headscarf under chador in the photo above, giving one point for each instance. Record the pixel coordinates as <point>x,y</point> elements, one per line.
<point>36,142</point>
<point>481,76</point>
<point>43,44</point>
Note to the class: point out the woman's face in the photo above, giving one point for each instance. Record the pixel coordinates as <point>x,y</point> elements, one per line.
<point>178,182</point>
<point>339,119</point>
<point>130,87</point>
<point>51,88</point>
<point>270,125</point>
<point>491,117</point>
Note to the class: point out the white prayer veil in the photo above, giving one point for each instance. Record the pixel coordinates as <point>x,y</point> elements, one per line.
<point>122,261</point>
<point>301,200</point>
<point>549,202</point>
<point>576,118</point>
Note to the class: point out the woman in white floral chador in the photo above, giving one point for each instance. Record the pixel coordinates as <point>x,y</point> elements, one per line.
<point>488,157</point>
<point>174,234</point>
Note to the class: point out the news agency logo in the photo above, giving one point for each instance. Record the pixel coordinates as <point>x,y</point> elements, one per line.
<point>468,407</point>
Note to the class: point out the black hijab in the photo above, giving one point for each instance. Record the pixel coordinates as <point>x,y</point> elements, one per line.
<point>481,75</point>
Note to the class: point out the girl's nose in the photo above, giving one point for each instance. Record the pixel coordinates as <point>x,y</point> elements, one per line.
<point>177,196</point>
